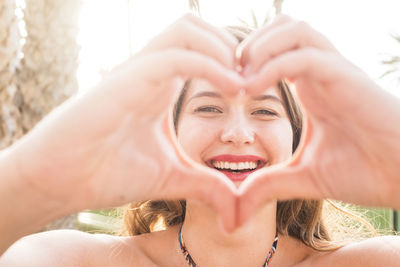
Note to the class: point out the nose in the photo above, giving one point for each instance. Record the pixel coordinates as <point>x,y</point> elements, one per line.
<point>237,132</point>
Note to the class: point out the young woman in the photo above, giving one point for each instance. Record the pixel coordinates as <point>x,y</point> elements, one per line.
<point>224,134</point>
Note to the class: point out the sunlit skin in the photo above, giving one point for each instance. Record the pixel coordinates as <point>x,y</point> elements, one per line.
<point>212,124</point>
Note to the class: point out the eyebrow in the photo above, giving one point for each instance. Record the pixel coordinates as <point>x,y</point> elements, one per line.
<point>217,95</point>
<point>205,93</point>
<point>269,97</point>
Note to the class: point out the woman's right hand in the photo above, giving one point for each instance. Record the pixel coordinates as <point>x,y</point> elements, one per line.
<point>114,144</point>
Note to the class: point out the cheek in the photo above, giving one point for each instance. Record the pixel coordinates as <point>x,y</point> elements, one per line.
<point>195,135</point>
<point>277,138</point>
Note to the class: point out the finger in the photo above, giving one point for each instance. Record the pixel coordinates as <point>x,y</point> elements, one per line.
<point>213,189</point>
<point>192,33</point>
<point>172,63</point>
<point>225,36</point>
<point>278,182</point>
<point>201,183</point>
<point>290,36</point>
<point>242,51</point>
<point>291,65</point>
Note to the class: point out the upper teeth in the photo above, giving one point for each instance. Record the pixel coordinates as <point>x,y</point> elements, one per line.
<point>235,165</point>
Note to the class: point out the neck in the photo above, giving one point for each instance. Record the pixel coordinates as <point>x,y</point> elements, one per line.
<point>208,245</point>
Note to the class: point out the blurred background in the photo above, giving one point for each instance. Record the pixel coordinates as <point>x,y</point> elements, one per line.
<point>52,49</point>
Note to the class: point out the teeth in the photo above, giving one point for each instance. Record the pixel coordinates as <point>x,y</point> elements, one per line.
<point>241,165</point>
<point>233,166</point>
<point>253,165</point>
<point>248,165</point>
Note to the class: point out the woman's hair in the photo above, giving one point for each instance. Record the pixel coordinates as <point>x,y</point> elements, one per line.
<point>301,219</point>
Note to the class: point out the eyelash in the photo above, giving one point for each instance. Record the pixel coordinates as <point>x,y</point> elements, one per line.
<point>264,112</point>
<point>216,110</point>
<point>208,109</point>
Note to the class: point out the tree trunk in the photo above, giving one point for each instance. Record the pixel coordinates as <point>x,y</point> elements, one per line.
<point>278,6</point>
<point>10,98</point>
<point>47,75</point>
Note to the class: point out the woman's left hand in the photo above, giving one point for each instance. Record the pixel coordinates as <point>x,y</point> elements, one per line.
<point>350,146</point>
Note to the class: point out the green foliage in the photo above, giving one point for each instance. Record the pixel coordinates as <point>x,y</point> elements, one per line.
<point>381,219</point>
<point>108,221</point>
<point>392,62</point>
<point>255,24</point>
<point>194,5</point>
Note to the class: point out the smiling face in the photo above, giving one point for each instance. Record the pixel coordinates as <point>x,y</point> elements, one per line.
<point>234,134</point>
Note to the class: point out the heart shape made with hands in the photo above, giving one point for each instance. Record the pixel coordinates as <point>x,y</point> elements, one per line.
<point>293,50</point>
<point>252,194</point>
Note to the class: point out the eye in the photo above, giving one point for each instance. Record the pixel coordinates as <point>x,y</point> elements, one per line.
<point>208,109</point>
<point>264,112</point>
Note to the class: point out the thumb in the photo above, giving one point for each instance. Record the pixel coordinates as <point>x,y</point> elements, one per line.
<point>213,189</point>
<point>280,182</point>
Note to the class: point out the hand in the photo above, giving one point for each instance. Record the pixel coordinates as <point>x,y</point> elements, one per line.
<point>350,145</point>
<point>114,144</point>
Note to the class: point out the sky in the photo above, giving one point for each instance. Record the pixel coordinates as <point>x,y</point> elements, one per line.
<point>113,30</point>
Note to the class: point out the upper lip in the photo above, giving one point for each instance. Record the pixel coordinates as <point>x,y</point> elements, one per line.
<point>237,158</point>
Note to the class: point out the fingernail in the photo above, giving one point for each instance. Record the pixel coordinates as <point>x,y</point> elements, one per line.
<point>239,68</point>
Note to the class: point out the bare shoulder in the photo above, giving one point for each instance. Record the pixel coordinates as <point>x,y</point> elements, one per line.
<point>160,248</point>
<point>47,249</point>
<point>71,248</point>
<point>377,251</point>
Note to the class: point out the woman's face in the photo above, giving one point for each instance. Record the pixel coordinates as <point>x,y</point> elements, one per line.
<point>234,134</point>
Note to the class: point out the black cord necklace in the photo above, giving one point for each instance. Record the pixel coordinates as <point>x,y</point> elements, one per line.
<point>191,262</point>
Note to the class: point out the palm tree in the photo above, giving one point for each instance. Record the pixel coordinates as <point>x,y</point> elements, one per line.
<point>10,97</point>
<point>392,62</point>
<point>269,15</point>
<point>194,5</point>
<point>47,74</point>
<point>278,6</point>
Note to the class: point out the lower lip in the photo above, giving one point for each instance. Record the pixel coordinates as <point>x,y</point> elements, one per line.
<point>237,176</point>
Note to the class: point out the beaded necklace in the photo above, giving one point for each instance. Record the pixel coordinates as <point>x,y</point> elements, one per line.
<point>191,262</point>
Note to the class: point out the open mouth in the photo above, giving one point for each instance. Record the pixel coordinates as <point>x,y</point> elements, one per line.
<point>236,168</point>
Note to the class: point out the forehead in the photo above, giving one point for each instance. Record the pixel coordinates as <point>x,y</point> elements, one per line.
<point>204,88</point>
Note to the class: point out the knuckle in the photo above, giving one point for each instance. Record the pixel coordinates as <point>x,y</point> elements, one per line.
<point>179,26</point>
<point>173,54</point>
<point>183,21</point>
<point>188,17</point>
<point>283,18</point>
<point>302,26</point>
<point>251,53</point>
<point>312,53</point>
